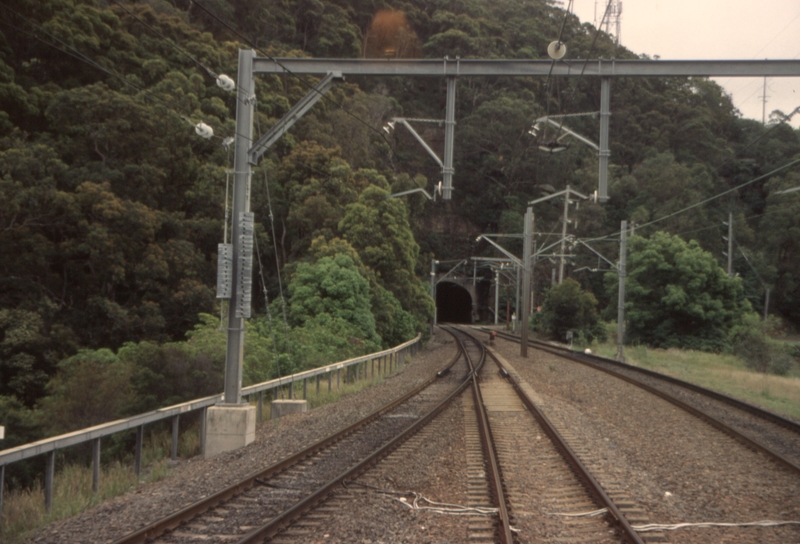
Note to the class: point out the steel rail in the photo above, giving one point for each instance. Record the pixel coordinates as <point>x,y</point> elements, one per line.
<point>188,513</point>
<point>777,419</point>
<point>283,520</point>
<point>581,471</point>
<point>493,465</point>
<point>711,420</point>
<point>788,424</point>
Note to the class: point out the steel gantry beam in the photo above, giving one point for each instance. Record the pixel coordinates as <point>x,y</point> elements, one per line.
<point>247,153</point>
<point>534,68</point>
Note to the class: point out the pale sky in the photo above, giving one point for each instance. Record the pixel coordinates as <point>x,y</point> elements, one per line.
<point>715,29</point>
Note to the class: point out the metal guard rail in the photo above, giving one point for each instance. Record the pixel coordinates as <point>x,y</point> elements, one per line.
<point>55,443</point>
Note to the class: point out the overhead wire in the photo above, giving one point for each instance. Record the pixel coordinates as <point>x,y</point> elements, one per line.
<point>288,71</point>
<point>763,135</point>
<point>170,42</point>
<point>695,205</point>
<point>76,54</point>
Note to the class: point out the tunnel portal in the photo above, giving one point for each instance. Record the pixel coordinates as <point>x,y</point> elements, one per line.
<point>453,303</point>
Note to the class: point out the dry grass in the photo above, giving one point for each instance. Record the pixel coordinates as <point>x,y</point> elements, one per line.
<point>24,510</point>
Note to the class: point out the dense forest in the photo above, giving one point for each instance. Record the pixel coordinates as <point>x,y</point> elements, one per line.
<point>112,206</point>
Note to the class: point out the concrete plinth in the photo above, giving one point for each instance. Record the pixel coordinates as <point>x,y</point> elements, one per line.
<point>229,427</point>
<point>282,407</point>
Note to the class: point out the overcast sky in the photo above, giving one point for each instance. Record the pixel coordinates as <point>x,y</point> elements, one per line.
<point>716,29</point>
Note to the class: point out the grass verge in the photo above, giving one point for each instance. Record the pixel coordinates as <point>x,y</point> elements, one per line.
<point>724,373</point>
<point>24,509</point>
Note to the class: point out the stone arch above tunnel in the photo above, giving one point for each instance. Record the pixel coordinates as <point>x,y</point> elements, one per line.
<point>454,303</point>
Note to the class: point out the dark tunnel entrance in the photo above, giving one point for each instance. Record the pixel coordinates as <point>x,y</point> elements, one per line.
<point>453,303</point>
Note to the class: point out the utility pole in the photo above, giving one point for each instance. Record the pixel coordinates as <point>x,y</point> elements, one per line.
<point>241,238</point>
<point>564,222</point>
<point>496,294</point>
<point>433,293</point>
<point>623,233</point>
<point>729,239</point>
<point>232,424</point>
<point>527,273</point>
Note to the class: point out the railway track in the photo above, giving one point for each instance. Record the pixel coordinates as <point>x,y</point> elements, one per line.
<point>552,492</point>
<point>487,519</point>
<point>759,429</point>
<point>264,503</point>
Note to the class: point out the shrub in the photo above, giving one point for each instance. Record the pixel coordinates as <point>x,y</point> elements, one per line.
<point>758,351</point>
<point>567,307</point>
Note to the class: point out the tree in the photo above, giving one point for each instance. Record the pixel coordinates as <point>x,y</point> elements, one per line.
<point>331,292</point>
<point>567,307</point>
<point>676,295</point>
<point>90,388</point>
<point>378,229</point>
<point>392,323</point>
<point>779,239</point>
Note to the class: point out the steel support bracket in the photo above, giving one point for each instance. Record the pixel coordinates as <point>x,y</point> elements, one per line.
<point>292,116</point>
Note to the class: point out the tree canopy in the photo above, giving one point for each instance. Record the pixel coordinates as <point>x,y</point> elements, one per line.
<point>676,295</point>
<point>111,207</point>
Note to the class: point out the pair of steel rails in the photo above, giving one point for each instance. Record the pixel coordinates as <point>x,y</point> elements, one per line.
<point>504,531</point>
<point>627,373</point>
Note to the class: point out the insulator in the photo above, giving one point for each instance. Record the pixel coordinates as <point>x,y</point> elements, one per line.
<point>203,130</point>
<point>225,83</point>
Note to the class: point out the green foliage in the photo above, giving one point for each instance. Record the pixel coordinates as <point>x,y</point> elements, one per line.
<point>331,292</point>
<point>90,388</point>
<point>111,208</point>
<point>759,351</point>
<point>378,229</point>
<point>567,307</point>
<point>23,426</point>
<point>779,238</point>
<point>676,295</point>
<point>167,374</point>
<point>393,324</point>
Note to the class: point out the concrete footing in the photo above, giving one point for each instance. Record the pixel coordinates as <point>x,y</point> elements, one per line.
<point>229,427</point>
<point>282,407</point>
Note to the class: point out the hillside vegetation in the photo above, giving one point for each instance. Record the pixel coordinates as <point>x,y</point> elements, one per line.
<point>111,206</point>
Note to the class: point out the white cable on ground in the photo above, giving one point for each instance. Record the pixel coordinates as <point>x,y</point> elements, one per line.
<point>671,527</point>
<point>436,507</point>
<point>664,527</point>
<point>591,514</point>
<point>444,508</point>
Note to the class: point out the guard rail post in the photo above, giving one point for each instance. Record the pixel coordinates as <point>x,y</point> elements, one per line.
<point>175,429</point>
<point>96,465</point>
<point>2,485</point>
<point>49,474</point>
<point>137,454</point>
<point>203,414</point>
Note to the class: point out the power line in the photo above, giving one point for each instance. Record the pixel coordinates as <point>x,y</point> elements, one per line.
<point>288,71</point>
<point>723,193</point>
<point>174,46</point>
<point>737,154</point>
<point>74,53</point>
